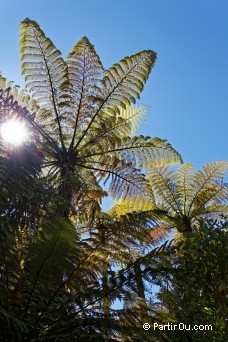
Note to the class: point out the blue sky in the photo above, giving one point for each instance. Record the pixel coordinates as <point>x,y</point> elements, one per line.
<point>187,89</point>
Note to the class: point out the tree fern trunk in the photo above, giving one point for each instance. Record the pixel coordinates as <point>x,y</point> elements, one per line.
<point>105,287</point>
<point>106,302</point>
<point>65,191</point>
<point>140,289</point>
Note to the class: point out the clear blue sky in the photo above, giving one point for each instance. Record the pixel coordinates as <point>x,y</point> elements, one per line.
<point>188,88</point>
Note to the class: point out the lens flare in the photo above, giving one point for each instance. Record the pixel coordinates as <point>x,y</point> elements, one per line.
<point>14,132</point>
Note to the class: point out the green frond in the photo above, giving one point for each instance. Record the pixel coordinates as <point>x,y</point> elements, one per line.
<point>120,160</point>
<point>214,209</point>
<point>163,185</point>
<point>210,173</point>
<point>134,115</point>
<point>54,246</point>
<point>209,188</point>
<point>16,103</point>
<point>124,207</point>
<point>10,254</point>
<point>139,151</point>
<point>84,71</point>
<point>124,82</point>
<point>121,86</point>
<point>185,184</point>
<point>113,128</point>
<point>145,152</point>
<point>10,320</point>
<point>186,195</point>
<point>84,66</point>
<point>124,181</point>
<point>42,62</point>
<point>44,69</point>
<point>11,94</point>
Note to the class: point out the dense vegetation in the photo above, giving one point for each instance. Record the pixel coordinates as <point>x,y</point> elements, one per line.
<point>64,264</point>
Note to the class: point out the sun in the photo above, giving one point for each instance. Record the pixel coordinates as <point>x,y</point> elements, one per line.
<point>14,132</point>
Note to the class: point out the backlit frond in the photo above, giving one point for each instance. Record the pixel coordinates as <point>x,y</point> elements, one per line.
<point>140,151</point>
<point>116,127</point>
<point>44,69</point>
<point>124,181</point>
<point>16,103</point>
<point>124,81</point>
<point>124,207</point>
<point>185,184</point>
<point>209,186</point>
<point>11,96</point>
<point>163,184</point>
<point>134,114</point>
<point>187,195</point>
<point>120,160</point>
<point>121,86</point>
<point>84,70</point>
<point>144,152</point>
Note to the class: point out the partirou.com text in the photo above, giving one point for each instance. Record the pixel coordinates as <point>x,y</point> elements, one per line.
<point>176,326</point>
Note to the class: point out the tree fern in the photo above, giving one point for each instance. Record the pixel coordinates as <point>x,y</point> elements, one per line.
<point>82,114</point>
<point>187,195</point>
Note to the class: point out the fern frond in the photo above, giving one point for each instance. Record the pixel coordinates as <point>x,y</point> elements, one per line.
<point>117,127</point>
<point>44,69</point>
<point>208,185</point>
<point>216,208</point>
<point>47,72</point>
<point>140,151</point>
<point>51,253</point>
<point>124,181</point>
<point>186,195</point>
<point>124,207</point>
<point>144,152</point>
<point>158,234</point>
<point>124,82</point>
<point>11,96</point>
<point>84,70</point>
<point>185,184</point>
<point>163,184</point>
<point>121,159</point>
<point>121,85</point>
<point>55,243</point>
<point>135,115</point>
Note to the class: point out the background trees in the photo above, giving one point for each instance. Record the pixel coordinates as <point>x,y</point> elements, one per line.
<point>193,286</point>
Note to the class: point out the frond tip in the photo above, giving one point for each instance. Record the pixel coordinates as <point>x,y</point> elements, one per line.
<point>124,81</point>
<point>44,69</point>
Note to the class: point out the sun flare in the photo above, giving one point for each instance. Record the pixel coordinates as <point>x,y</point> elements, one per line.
<point>14,132</point>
